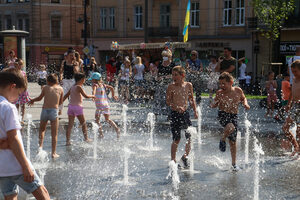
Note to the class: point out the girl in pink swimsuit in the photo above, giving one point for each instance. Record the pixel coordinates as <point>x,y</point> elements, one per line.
<point>75,108</point>
<point>99,90</point>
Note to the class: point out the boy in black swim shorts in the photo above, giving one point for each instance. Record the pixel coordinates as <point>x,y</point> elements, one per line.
<point>227,100</point>
<point>178,94</point>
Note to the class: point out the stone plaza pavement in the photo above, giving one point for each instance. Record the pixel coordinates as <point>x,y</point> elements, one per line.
<point>137,114</point>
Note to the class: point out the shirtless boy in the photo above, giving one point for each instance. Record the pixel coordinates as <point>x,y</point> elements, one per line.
<point>53,97</point>
<point>178,94</point>
<point>294,111</point>
<point>227,100</point>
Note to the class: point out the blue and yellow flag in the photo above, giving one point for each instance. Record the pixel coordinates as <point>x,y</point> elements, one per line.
<point>186,23</point>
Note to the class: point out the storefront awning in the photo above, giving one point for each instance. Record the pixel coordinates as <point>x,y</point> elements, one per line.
<point>173,45</point>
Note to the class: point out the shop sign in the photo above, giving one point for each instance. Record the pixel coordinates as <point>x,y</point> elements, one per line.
<point>288,47</point>
<point>211,44</point>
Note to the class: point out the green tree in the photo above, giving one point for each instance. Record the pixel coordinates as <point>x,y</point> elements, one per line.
<point>272,14</point>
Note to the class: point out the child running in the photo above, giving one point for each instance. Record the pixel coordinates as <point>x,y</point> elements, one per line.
<point>271,86</point>
<point>227,100</point>
<point>15,169</point>
<point>53,95</point>
<point>294,111</point>
<point>24,97</point>
<point>178,94</point>
<point>75,108</point>
<point>99,90</point>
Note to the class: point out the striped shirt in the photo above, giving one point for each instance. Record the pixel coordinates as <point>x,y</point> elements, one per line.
<point>101,97</point>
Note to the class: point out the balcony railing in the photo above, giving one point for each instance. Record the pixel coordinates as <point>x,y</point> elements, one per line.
<point>163,31</point>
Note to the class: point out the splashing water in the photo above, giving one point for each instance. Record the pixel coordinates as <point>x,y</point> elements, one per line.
<point>173,173</point>
<point>29,118</point>
<point>193,132</point>
<point>247,135</point>
<point>42,162</point>
<point>199,111</point>
<point>126,156</point>
<point>124,116</point>
<point>95,131</point>
<point>151,120</point>
<point>257,152</point>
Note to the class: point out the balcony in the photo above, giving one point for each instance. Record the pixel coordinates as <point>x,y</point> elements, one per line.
<point>163,31</point>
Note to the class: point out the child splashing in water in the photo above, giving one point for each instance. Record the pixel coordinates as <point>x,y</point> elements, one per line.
<point>271,86</point>
<point>227,100</point>
<point>75,108</point>
<point>102,102</point>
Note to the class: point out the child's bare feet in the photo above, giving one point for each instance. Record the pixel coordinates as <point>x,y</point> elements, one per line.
<point>101,135</point>
<point>118,132</point>
<point>55,155</point>
<point>296,150</point>
<point>68,143</point>
<point>88,140</point>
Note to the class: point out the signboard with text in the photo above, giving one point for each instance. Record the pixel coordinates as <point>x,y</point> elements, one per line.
<point>288,48</point>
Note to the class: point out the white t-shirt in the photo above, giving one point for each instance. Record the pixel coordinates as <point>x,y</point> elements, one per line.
<point>140,71</point>
<point>248,80</point>
<point>292,59</point>
<point>41,74</point>
<point>9,120</point>
<point>243,71</point>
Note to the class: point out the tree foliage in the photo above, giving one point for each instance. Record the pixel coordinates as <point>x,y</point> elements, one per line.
<point>272,14</point>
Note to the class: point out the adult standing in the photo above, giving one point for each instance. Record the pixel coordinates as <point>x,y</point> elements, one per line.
<point>163,79</point>
<point>194,68</point>
<point>242,69</point>
<point>212,84</point>
<point>226,63</point>
<point>80,61</point>
<point>67,70</point>
<point>11,59</point>
<point>111,72</point>
<point>291,60</point>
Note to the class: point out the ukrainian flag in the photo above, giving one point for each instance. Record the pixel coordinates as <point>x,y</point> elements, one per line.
<point>186,23</point>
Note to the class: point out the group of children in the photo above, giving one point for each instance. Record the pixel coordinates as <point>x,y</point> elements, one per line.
<point>227,100</point>
<point>16,169</point>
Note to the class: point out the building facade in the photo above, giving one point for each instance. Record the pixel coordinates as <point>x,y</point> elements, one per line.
<point>214,24</point>
<point>52,25</point>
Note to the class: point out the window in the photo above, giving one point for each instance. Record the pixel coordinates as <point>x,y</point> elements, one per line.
<point>55,1</point>
<point>8,23</point>
<point>103,13</point>
<point>227,12</point>
<point>23,24</point>
<point>27,24</point>
<point>55,27</point>
<point>112,18</point>
<point>165,16</point>
<point>195,14</point>
<point>138,17</point>
<point>107,20</point>
<point>240,12</point>
<point>8,1</point>
<point>22,1</point>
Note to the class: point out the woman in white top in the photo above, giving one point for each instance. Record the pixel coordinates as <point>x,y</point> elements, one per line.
<point>125,74</point>
<point>138,71</point>
<point>213,80</point>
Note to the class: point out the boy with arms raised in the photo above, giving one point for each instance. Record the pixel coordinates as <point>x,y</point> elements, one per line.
<point>53,95</point>
<point>227,100</point>
<point>294,111</point>
<point>15,169</point>
<point>178,94</point>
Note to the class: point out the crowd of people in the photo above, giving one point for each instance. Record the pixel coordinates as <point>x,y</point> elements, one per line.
<point>172,87</point>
